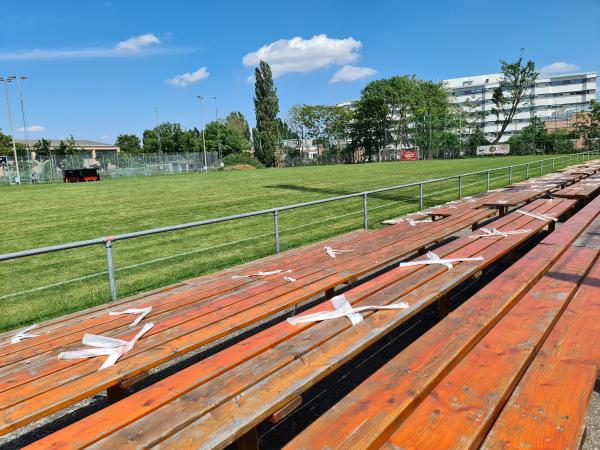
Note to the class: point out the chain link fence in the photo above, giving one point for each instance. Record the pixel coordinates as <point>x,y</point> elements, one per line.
<point>112,165</point>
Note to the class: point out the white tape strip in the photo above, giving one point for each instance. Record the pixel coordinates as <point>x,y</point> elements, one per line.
<point>142,312</point>
<point>24,334</point>
<point>105,346</point>
<point>435,259</point>
<point>334,252</point>
<point>262,274</point>
<point>496,232</point>
<point>537,216</point>
<point>343,309</point>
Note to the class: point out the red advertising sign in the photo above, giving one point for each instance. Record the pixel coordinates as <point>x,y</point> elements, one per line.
<point>409,155</point>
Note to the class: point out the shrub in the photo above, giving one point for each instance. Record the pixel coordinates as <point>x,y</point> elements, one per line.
<point>240,159</point>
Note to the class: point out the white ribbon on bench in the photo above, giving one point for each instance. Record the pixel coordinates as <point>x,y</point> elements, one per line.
<point>342,308</point>
<point>24,334</point>
<point>496,232</point>
<point>290,279</point>
<point>334,252</point>
<point>261,274</point>
<point>537,216</point>
<point>143,312</point>
<point>435,259</point>
<point>105,346</point>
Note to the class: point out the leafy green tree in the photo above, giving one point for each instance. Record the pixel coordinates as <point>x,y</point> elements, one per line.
<point>42,148</point>
<point>129,143</point>
<point>231,141</point>
<point>266,106</point>
<point>517,78</point>
<point>237,122</point>
<point>588,126</point>
<point>170,138</point>
<point>328,126</point>
<point>5,145</point>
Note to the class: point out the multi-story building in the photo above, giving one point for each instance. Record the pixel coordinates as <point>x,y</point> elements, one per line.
<point>551,98</point>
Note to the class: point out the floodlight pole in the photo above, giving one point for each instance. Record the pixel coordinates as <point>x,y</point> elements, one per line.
<point>200,98</point>
<point>22,78</point>
<point>218,128</point>
<point>12,132</point>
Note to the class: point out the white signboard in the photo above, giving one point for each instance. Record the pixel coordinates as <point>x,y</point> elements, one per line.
<point>498,149</point>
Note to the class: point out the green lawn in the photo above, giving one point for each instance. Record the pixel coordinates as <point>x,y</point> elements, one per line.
<point>40,215</point>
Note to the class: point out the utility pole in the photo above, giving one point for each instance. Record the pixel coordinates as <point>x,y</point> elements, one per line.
<point>200,98</point>
<point>19,80</point>
<point>218,128</point>
<point>158,131</point>
<point>12,132</point>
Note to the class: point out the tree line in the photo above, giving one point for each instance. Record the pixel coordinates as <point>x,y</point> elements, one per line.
<point>393,113</point>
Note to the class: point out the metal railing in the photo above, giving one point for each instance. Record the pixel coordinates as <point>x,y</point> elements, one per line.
<point>108,241</point>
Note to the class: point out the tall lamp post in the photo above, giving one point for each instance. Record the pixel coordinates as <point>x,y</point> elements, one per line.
<point>200,98</point>
<point>12,132</point>
<point>19,81</point>
<point>218,129</point>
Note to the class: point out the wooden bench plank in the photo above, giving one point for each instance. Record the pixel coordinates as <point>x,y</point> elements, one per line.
<point>59,383</point>
<point>370,413</point>
<point>549,404</point>
<point>242,373</point>
<point>460,410</point>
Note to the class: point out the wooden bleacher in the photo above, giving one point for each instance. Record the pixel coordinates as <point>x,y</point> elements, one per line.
<point>258,377</point>
<point>462,383</point>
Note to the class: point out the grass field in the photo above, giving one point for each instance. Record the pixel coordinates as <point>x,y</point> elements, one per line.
<point>40,215</point>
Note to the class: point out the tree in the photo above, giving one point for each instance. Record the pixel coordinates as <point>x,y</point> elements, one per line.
<point>129,143</point>
<point>5,145</point>
<point>266,106</point>
<point>42,148</point>
<point>516,79</point>
<point>171,138</point>
<point>588,126</point>
<point>328,126</point>
<point>231,141</point>
<point>237,122</point>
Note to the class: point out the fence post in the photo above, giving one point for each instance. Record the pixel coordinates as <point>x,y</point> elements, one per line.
<point>276,225</point>
<point>510,174</point>
<point>553,164</point>
<point>459,187</point>
<point>365,213</point>
<point>527,171</point>
<point>111,267</point>
<point>488,181</point>
<point>541,167</point>
<point>420,196</point>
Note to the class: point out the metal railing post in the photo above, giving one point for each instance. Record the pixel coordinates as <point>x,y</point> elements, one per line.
<point>527,171</point>
<point>365,212</point>
<point>111,268</point>
<point>276,226</point>
<point>553,159</point>
<point>510,174</point>
<point>542,167</point>
<point>459,187</point>
<point>488,181</point>
<point>421,196</point>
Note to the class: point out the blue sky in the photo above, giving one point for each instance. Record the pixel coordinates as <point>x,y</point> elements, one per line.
<point>96,69</point>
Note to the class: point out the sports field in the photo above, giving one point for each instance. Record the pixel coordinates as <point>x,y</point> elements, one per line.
<point>45,286</point>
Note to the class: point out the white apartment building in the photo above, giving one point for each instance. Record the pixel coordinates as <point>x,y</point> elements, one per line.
<point>552,98</point>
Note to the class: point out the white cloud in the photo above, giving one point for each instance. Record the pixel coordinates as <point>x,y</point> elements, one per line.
<point>558,67</point>
<point>305,55</point>
<point>352,73</point>
<point>188,78</point>
<point>135,45</point>
<point>33,129</point>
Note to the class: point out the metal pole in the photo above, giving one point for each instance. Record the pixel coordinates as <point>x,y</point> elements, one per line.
<point>276,226</point>
<point>12,132</point>
<point>218,130</point>
<point>420,196</point>
<point>365,213</point>
<point>488,181</point>
<point>542,167</point>
<point>111,268</point>
<point>510,174</point>
<point>527,171</point>
<point>25,125</point>
<point>200,98</point>
<point>157,132</point>
<point>459,187</point>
